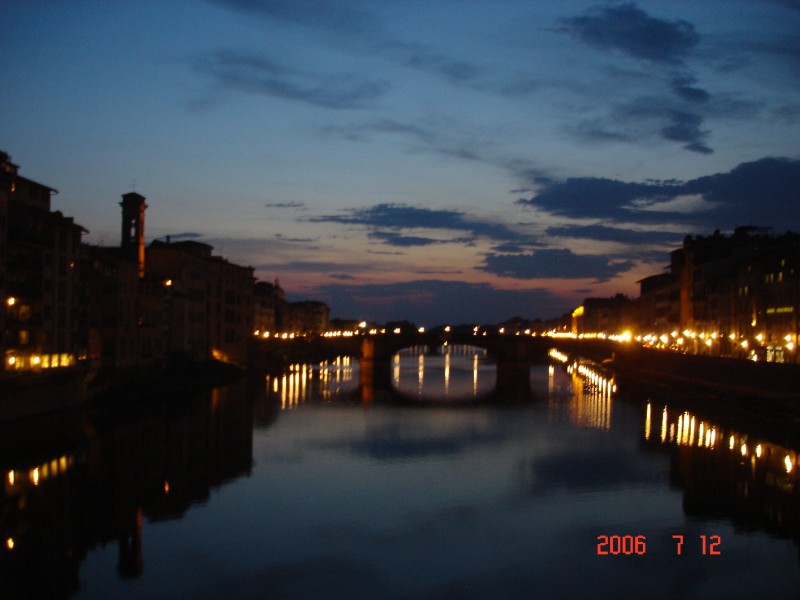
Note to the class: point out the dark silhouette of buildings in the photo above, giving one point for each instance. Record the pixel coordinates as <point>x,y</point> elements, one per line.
<point>125,309</point>
<point>273,315</point>
<point>735,295</point>
<point>39,281</point>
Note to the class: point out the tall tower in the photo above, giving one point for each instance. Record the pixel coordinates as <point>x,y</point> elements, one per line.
<point>133,207</point>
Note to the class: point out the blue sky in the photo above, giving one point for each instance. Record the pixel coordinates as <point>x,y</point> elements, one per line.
<point>442,162</point>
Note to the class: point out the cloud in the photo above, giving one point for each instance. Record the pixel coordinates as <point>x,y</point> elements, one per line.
<point>426,59</point>
<point>762,192</point>
<point>433,137</point>
<point>602,233</point>
<point>559,263</point>
<point>357,31</point>
<point>309,266</point>
<point>189,235</point>
<point>630,30</point>
<point>403,216</point>
<point>650,116</point>
<point>683,86</point>
<point>685,127</point>
<point>582,197</point>
<point>295,240</point>
<point>284,205</point>
<point>253,72</point>
<point>436,300</point>
<point>396,239</point>
<point>332,16</point>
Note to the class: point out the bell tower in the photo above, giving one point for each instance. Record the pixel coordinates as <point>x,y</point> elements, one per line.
<point>133,207</point>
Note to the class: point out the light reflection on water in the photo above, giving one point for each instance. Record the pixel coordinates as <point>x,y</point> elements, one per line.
<point>449,372</point>
<point>330,498</point>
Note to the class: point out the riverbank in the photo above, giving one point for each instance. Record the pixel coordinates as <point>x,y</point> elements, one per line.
<point>57,392</point>
<point>762,397</point>
<point>176,377</point>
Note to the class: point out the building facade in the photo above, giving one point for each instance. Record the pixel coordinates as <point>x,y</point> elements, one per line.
<point>734,295</point>
<point>209,301</point>
<point>39,279</point>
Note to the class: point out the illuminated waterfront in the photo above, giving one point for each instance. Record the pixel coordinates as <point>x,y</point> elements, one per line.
<point>290,487</point>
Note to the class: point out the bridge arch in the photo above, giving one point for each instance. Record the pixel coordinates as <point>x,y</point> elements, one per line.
<point>511,354</point>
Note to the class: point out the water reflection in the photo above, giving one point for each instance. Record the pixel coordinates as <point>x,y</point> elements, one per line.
<point>301,382</point>
<point>589,390</point>
<point>727,472</point>
<point>393,501</point>
<point>449,372</point>
<point>112,468</point>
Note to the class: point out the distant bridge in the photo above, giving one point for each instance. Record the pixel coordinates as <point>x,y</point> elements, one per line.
<point>512,354</point>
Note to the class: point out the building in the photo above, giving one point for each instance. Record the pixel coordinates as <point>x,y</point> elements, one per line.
<point>273,315</point>
<point>659,304</point>
<point>124,314</point>
<point>209,301</point>
<point>604,315</point>
<point>306,318</point>
<point>39,277</point>
<point>269,301</point>
<point>734,295</point>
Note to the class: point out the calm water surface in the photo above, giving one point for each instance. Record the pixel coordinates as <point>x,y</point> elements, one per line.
<point>290,487</point>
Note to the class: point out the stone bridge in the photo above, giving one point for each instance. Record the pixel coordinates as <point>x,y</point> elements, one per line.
<point>512,354</point>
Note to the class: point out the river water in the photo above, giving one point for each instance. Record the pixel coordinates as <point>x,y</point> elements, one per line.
<point>289,486</point>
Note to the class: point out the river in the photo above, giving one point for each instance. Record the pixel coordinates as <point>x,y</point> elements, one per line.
<point>289,486</point>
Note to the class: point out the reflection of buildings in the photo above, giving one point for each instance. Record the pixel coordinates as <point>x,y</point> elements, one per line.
<point>148,463</point>
<point>727,473</point>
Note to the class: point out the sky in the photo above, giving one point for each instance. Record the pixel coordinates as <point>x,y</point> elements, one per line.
<point>442,162</point>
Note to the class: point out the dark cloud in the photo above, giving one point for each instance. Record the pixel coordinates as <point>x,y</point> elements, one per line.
<point>188,235</point>
<point>433,137</point>
<point>555,264</point>
<point>683,86</point>
<point>439,301</point>
<point>685,127</point>
<point>648,117</point>
<point>789,112</point>
<point>425,58</point>
<point>332,16</point>
<point>762,192</point>
<point>595,197</point>
<point>602,233</point>
<point>358,31</point>
<point>283,238</point>
<point>397,239</point>
<point>308,266</point>
<point>510,248</point>
<point>627,28</point>
<point>253,72</point>
<point>284,205</point>
<point>402,216</point>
